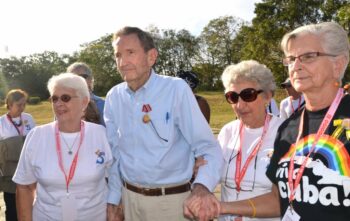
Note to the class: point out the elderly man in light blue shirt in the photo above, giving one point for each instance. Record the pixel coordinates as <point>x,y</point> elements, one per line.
<point>156,130</point>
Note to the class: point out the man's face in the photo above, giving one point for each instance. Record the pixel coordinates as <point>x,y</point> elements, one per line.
<point>133,63</point>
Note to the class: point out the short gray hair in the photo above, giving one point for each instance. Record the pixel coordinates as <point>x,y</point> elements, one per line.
<point>251,71</point>
<point>80,68</point>
<point>333,38</point>
<point>69,80</point>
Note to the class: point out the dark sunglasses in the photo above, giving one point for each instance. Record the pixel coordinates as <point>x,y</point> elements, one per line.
<point>85,76</point>
<point>247,95</point>
<point>64,98</point>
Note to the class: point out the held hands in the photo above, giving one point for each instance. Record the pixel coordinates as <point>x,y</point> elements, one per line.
<point>115,212</point>
<point>201,205</point>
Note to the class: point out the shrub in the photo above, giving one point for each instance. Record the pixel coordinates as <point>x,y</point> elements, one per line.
<point>34,100</point>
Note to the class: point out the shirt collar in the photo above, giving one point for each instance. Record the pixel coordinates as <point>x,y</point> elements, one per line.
<point>149,83</point>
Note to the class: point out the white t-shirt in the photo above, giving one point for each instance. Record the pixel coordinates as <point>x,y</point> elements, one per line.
<point>7,129</point>
<point>39,164</point>
<point>255,182</point>
<point>272,108</point>
<point>289,106</point>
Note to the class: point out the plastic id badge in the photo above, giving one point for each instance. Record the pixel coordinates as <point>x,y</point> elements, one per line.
<point>290,215</point>
<point>69,208</point>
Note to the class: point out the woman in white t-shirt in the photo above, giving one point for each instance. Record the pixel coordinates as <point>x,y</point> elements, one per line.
<point>62,168</point>
<point>247,143</point>
<point>14,126</point>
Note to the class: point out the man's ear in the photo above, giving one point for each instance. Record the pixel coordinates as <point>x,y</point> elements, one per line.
<point>152,55</point>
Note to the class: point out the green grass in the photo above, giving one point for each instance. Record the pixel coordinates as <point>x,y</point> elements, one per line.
<point>221,111</point>
<point>42,113</point>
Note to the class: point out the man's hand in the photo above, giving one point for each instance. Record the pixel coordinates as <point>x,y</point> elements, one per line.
<point>201,205</point>
<point>115,212</point>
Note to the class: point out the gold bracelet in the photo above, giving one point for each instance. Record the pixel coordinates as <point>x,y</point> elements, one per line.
<point>253,207</point>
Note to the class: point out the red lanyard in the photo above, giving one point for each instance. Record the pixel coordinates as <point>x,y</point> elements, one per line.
<point>239,174</point>
<point>75,159</point>
<point>291,103</point>
<point>20,128</point>
<point>325,122</point>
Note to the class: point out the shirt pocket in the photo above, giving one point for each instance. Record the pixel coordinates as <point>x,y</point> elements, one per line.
<point>161,129</point>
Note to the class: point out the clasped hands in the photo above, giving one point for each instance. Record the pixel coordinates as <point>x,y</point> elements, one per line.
<point>201,205</point>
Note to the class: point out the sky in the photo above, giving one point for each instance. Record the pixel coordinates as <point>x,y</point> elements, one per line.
<point>35,26</point>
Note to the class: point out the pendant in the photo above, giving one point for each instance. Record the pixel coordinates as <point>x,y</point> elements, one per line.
<point>146,118</point>
<point>70,152</point>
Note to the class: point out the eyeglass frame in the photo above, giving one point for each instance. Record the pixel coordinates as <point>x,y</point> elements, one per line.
<point>304,59</point>
<point>255,93</point>
<point>54,99</point>
<point>228,168</point>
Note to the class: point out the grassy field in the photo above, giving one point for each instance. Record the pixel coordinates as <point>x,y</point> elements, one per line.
<point>221,111</point>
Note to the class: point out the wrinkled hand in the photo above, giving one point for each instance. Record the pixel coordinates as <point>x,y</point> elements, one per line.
<point>115,212</point>
<point>201,205</point>
<point>199,162</point>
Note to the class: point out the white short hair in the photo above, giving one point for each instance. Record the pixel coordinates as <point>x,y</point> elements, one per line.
<point>69,80</point>
<point>333,38</point>
<point>251,71</point>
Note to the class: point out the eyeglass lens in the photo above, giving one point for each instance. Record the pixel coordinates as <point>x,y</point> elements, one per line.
<point>64,98</point>
<point>247,95</point>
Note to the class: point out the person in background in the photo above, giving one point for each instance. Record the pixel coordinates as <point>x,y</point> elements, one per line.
<point>272,107</point>
<point>156,130</point>
<point>347,88</point>
<point>62,168</point>
<point>310,164</point>
<point>247,143</point>
<point>14,126</point>
<point>94,111</point>
<point>293,103</point>
<point>192,80</point>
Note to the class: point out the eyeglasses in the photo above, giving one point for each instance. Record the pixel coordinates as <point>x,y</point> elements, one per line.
<point>85,76</point>
<point>305,58</point>
<point>247,95</point>
<point>248,184</point>
<point>286,86</point>
<point>64,98</point>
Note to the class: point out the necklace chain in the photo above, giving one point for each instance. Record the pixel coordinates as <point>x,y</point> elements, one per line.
<point>70,149</point>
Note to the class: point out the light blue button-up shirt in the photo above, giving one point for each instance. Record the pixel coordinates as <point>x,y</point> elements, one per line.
<point>142,157</point>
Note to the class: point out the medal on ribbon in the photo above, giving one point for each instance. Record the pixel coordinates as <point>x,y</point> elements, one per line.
<point>147,119</point>
<point>146,108</point>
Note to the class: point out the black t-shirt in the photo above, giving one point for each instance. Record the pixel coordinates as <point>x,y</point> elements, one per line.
<point>324,189</point>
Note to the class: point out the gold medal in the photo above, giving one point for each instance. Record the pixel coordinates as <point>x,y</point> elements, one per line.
<point>146,118</point>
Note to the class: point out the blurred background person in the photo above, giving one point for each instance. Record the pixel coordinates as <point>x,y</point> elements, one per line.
<point>310,182</point>
<point>272,107</point>
<point>347,88</point>
<point>193,81</point>
<point>62,169</point>
<point>94,110</point>
<point>14,126</point>
<point>293,102</point>
<point>247,143</point>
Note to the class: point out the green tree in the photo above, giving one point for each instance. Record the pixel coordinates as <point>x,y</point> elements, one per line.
<point>273,19</point>
<point>31,73</point>
<point>217,49</point>
<point>99,55</point>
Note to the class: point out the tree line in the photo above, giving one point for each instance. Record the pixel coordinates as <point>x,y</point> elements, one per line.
<point>223,41</point>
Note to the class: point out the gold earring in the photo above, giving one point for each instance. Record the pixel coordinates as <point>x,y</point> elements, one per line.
<point>336,84</point>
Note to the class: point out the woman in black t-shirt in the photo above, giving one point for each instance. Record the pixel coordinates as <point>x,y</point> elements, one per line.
<point>310,167</point>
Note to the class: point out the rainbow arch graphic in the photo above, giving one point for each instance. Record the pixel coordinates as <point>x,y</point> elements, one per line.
<point>330,148</point>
